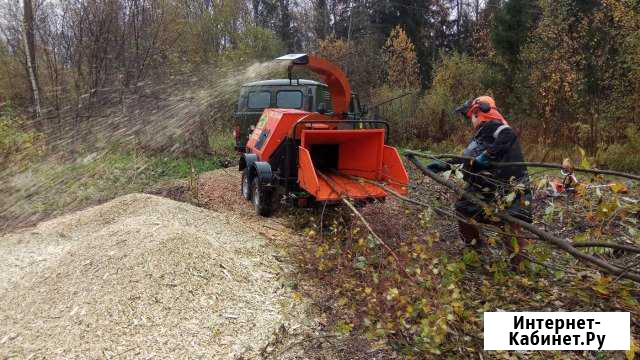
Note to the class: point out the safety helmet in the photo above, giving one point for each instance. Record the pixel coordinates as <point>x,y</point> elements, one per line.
<point>484,107</point>
<point>485,100</point>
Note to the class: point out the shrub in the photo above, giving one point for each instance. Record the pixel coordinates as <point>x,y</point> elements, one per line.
<point>402,63</point>
<point>622,155</point>
<point>401,113</point>
<point>16,143</point>
<point>254,43</point>
<point>413,305</point>
<point>456,79</point>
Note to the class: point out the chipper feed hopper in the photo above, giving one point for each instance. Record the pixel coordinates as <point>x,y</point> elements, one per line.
<point>308,156</point>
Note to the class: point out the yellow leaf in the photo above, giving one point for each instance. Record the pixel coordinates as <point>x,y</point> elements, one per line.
<point>601,289</point>
<point>633,350</point>
<point>458,307</point>
<point>581,189</point>
<point>619,188</point>
<point>392,293</point>
<point>584,162</point>
<point>542,183</point>
<point>343,327</point>
<point>296,296</point>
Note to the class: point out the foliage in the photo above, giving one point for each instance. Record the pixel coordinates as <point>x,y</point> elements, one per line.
<point>360,59</point>
<point>576,63</point>
<point>222,146</point>
<point>554,58</point>
<point>372,291</point>
<point>456,79</point>
<point>52,187</point>
<point>511,27</point>
<point>482,42</point>
<point>626,32</point>
<point>430,303</point>
<point>552,65</point>
<point>254,44</point>
<point>336,50</point>
<point>401,114</point>
<point>418,119</point>
<point>618,156</point>
<point>17,144</point>
<point>12,86</point>
<point>400,57</point>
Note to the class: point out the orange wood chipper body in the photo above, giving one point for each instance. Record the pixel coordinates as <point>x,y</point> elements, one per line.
<point>302,156</point>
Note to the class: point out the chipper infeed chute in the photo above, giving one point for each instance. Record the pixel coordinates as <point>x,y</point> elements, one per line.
<point>344,155</point>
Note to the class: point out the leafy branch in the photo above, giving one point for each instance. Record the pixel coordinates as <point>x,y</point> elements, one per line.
<point>541,234</point>
<point>528,164</point>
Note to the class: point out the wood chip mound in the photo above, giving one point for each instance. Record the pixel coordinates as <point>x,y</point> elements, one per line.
<point>141,277</point>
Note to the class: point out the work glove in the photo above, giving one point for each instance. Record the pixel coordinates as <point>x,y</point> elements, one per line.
<point>481,161</point>
<point>438,166</point>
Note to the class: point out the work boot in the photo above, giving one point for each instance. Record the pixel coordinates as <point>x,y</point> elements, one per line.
<point>470,235</point>
<point>517,254</point>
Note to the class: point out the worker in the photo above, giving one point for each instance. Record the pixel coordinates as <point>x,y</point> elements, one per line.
<point>493,141</point>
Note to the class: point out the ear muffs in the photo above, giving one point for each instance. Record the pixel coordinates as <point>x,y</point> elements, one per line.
<point>484,107</point>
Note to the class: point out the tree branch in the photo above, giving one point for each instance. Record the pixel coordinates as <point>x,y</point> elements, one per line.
<point>359,215</point>
<point>543,235</point>
<point>624,247</point>
<point>528,164</point>
<point>438,211</point>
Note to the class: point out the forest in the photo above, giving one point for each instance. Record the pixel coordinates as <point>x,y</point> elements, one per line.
<point>567,72</point>
<point>104,98</point>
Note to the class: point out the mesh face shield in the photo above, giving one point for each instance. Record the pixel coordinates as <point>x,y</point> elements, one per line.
<point>464,108</point>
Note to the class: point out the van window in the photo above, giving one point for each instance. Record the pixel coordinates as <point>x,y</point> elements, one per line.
<point>259,99</point>
<point>289,99</point>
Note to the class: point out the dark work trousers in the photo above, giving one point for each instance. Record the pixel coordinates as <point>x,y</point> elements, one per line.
<point>470,233</point>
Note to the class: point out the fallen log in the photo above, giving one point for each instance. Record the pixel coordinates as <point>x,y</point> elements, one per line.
<point>541,234</point>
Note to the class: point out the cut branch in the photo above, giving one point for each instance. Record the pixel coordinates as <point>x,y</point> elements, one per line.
<point>543,235</point>
<point>437,210</point>
<point>527,164</point>
<point>364,221</point>
<point>624,247</point>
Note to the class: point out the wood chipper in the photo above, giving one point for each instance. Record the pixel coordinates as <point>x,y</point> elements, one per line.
<point>304,157</point>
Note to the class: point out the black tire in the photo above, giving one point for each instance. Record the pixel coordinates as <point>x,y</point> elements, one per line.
<point>261,198</point>
<point>245,185</point>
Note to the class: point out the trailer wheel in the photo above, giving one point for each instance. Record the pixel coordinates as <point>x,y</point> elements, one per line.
<point>261,198</point>
<point>246,184</point>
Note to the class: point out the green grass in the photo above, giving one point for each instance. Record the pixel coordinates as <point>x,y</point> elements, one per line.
<point>222,145</point>
<point>50,188</point>
<point>45,186</point>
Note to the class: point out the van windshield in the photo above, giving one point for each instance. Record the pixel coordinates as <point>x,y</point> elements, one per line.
<point>259,99</point>
<point>289,99</point>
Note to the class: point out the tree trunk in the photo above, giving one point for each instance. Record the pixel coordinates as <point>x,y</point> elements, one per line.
<point>285,25</point>
<point>29,49</point>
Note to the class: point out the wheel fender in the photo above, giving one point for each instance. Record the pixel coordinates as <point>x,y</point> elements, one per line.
<point>262,170</point>
<point>246,161</point>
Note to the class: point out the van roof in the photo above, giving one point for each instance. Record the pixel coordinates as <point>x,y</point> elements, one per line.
<point>280,82</point>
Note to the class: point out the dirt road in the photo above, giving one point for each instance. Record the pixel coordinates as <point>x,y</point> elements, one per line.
<point>144,276</point>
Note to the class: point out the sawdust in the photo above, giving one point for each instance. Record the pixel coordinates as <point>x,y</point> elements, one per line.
<point>143,276</point>
<point>148,277</point>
